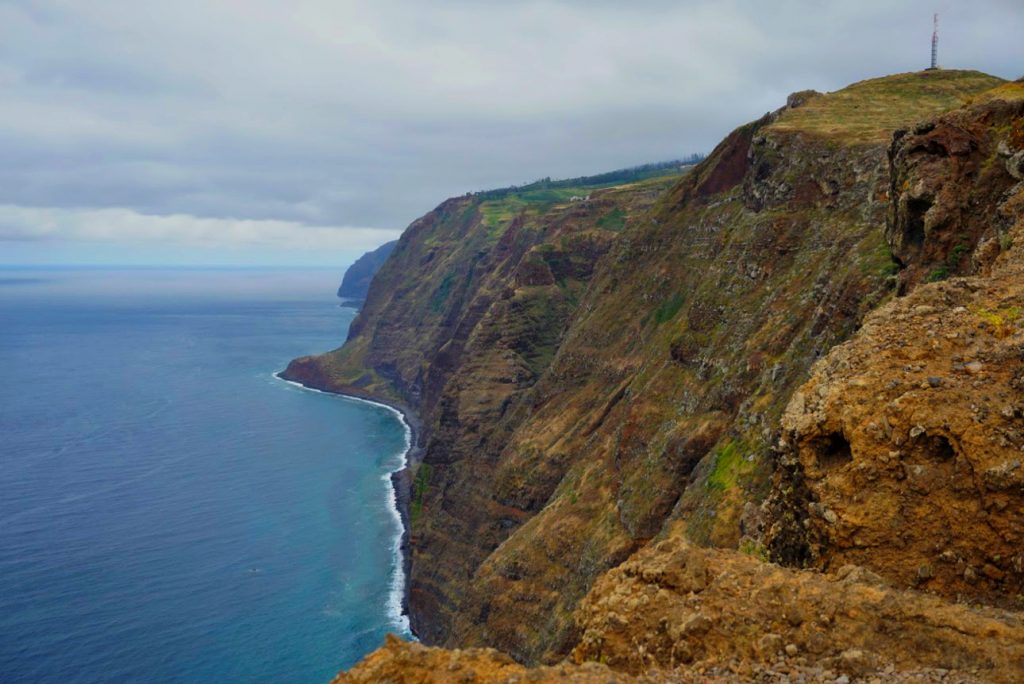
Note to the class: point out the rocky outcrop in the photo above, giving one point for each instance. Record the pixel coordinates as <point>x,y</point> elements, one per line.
<point>675,607</point>
<point>677,613</point>
<point>355,284</point>
<point>904,449</point>
<point>401,662</point>
<point>949,178</point>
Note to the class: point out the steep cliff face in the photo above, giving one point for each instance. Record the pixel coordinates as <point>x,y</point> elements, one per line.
<point>663,398</point>
<point>355,284</point>
<point>596,375</point>
<point>904,449</point>
<point>480,276</point>
<point>459,324</point>
<point>660,401</point>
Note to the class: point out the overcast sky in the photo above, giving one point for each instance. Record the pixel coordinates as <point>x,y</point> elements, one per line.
<point>198,131</point>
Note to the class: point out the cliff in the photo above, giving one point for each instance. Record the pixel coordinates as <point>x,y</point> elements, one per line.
<point>770,354</point>
<point>903,450</point>
<point>356,282</point>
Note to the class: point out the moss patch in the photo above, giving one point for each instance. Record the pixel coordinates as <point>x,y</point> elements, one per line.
<point>730,467</point>
<point>440,296</point>
<point>669,308</point>
<point>419,491</point>
<point>614,220</point>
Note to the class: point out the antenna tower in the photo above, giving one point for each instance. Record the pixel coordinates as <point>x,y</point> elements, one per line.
<point>935,41</point>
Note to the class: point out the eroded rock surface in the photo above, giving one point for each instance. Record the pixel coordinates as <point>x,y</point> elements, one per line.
<point>905,449</point>
<point>678,613</point>
<point>401,662</point>
<point>950,177</point>
<point>674,606</point>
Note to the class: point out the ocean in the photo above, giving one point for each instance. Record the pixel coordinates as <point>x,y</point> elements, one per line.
<point>169,510</point>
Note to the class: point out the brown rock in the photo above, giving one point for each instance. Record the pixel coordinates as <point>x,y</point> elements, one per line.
<point>852,622</point>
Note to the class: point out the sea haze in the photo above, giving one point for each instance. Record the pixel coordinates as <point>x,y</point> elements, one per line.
<point>169,510</point>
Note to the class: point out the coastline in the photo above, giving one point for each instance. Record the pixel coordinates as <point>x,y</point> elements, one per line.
<point>400,497</point>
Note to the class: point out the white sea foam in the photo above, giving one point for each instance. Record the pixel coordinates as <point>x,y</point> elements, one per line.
<point>397,592</point>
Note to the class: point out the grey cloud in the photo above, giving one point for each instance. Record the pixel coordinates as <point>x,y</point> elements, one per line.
<point>332,113</point>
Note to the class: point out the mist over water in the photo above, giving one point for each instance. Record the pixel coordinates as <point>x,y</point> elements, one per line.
<point>169,511</point>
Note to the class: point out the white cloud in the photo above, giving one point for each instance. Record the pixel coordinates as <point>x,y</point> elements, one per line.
<point>347,112</point>
<point>128,227</point>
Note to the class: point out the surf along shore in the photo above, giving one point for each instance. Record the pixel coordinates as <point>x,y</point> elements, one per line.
<point>401,482</point>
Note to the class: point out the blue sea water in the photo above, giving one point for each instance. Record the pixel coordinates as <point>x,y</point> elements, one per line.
<point>169,510</point>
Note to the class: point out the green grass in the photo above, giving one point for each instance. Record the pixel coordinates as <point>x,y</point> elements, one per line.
<point>440,296</point>
<point>614,220</point>
<point>498,208</point>
<point>669,308</point>
<point>499,211</point>
<point>1011,91</point>
<point>957,253</point>
<point>878,259</point>
<point>419,490</point>
<point>729,467</point>
<point>553,195</point>
<point>868,111</point>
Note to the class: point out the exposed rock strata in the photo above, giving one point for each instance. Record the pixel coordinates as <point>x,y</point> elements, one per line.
<point>592,395</point>
<point>462,342</point>
<point>949,181</point>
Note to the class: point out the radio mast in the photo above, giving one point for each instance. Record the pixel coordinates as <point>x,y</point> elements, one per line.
<point>935,42</point>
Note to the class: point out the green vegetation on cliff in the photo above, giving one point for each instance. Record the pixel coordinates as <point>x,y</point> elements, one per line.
<point>597,373</point>
<point>546,188</point>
